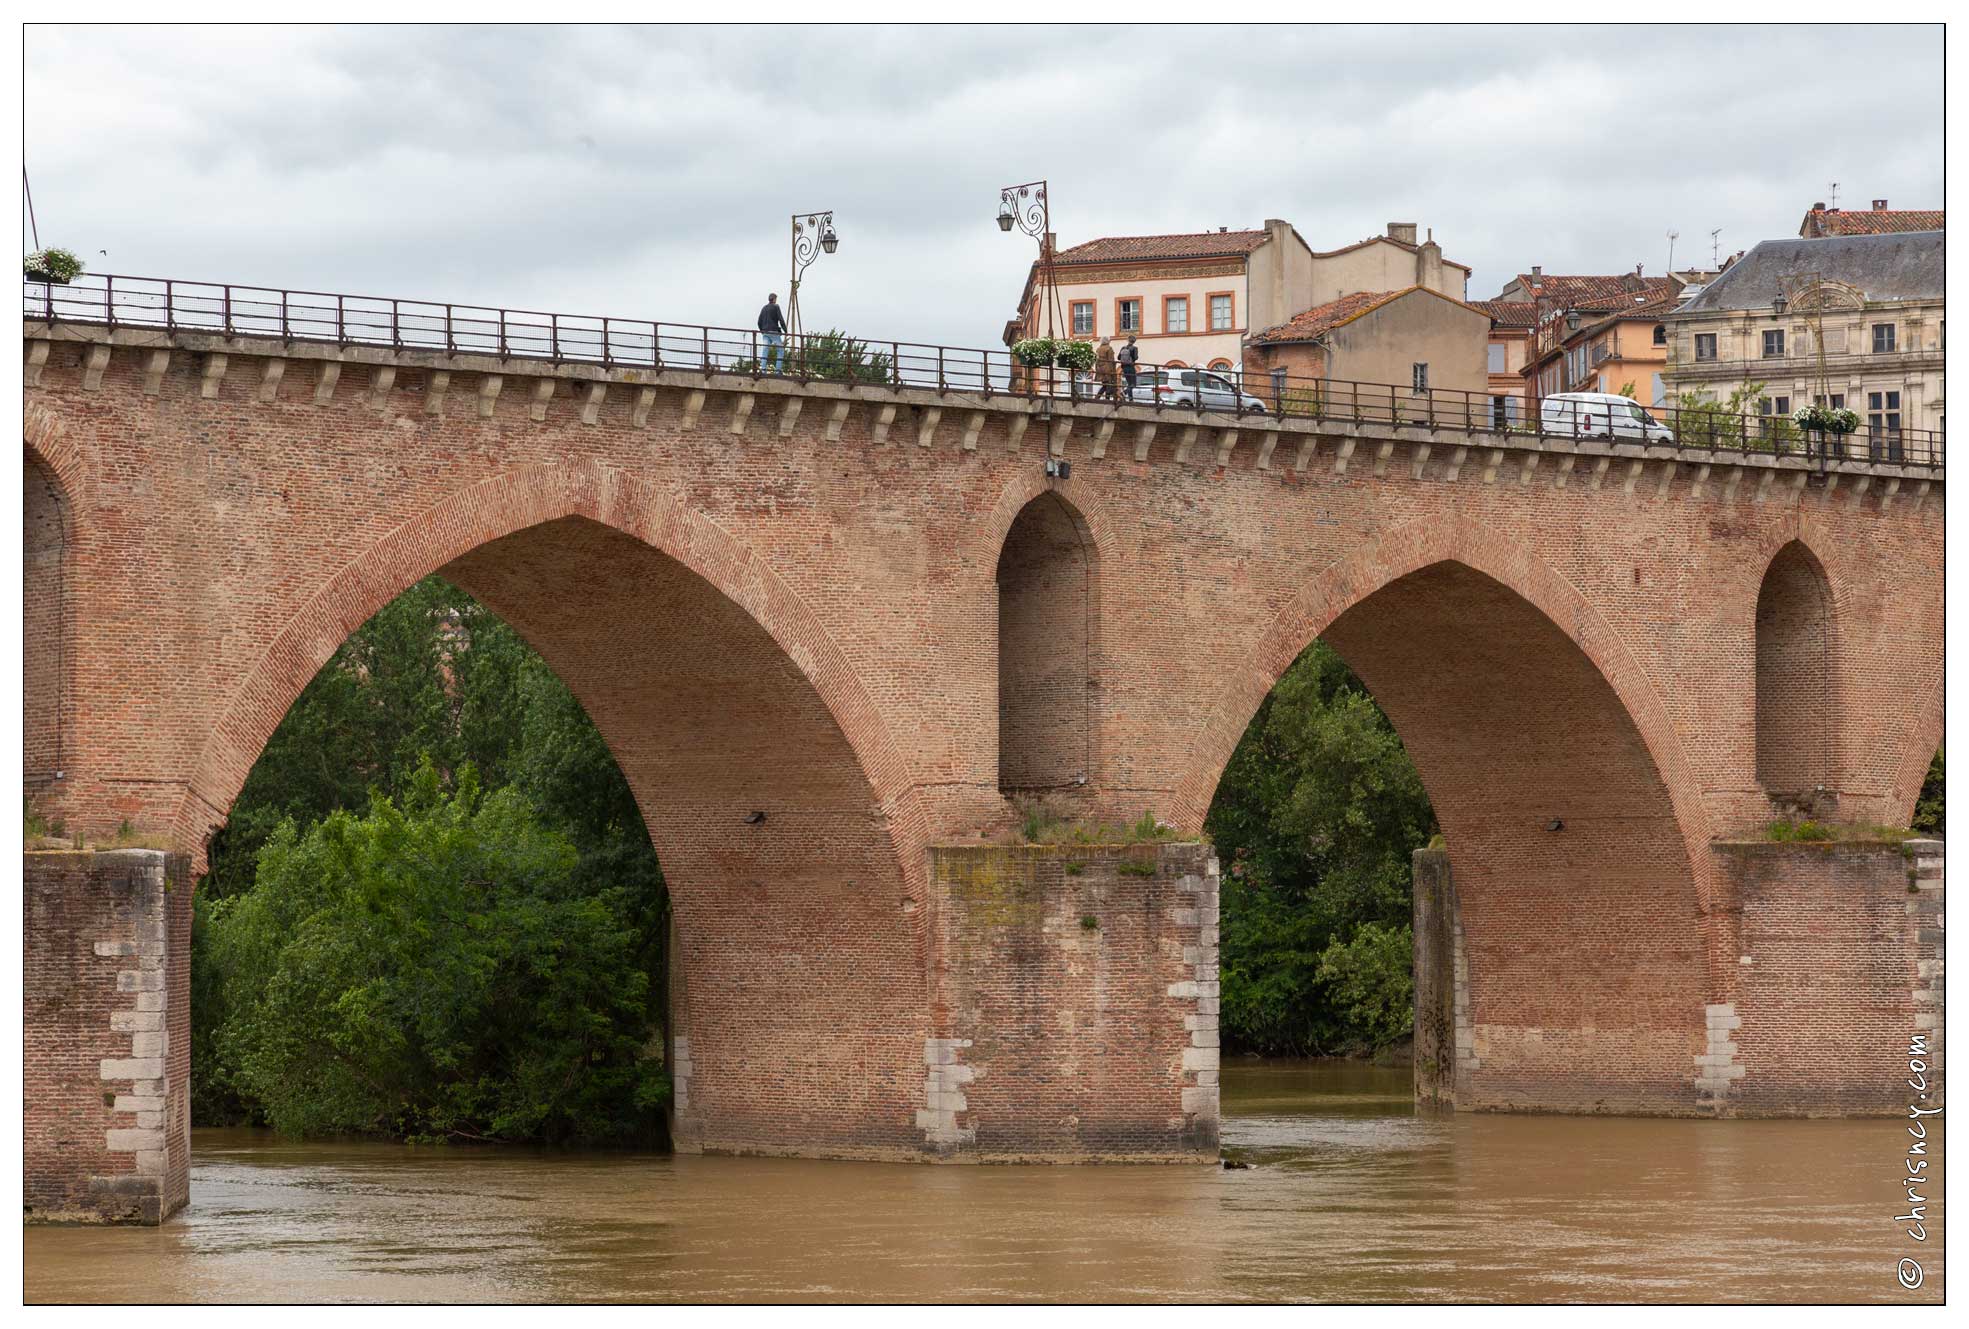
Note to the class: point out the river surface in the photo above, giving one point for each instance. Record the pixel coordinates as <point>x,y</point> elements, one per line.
<point>1353,1195</point>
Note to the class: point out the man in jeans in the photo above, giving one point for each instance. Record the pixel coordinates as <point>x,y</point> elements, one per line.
<point>772,330</point>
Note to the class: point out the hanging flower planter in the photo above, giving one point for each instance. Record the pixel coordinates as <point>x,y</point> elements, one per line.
<point>1826,419</point>
<point>1078,355</point>
<point>58,267</point>
<point>1034,352</point>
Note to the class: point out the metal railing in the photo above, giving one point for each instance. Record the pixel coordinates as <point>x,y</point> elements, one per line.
<point>515,334</point>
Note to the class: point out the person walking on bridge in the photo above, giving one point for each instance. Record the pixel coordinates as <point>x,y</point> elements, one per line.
<point>1130,357</point>
<point>772,329</point>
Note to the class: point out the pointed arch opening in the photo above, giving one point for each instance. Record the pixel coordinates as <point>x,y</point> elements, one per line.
<point>47,633</point>
<point>1046,615</point>
<point>1794,678</point>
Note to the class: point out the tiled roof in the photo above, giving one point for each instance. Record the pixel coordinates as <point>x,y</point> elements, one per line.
<point>1881,267</point>
<point>1384,240</point>
<point>1322,318</point>
<point>1200,244</point>
<point>1509,313</point>
<point>1595,294</point>
<point>1837,221</point>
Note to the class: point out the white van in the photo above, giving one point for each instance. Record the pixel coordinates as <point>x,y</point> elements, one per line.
<point>1600,415</point>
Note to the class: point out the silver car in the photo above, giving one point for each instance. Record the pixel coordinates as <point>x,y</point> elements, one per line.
<point>1193,387</point>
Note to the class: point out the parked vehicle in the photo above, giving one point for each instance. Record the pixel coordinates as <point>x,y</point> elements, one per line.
<point>1191,387</point>
<point>1600,415</point>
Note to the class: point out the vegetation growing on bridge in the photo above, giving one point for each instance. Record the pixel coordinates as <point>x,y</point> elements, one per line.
<point>434,911</point>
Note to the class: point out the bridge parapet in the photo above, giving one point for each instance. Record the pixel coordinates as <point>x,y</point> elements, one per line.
<point>408,381</point>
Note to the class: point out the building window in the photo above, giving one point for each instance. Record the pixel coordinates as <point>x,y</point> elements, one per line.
<point>1883,421</point>
<point>1175,313</point>
<point>1773,343</point>
<point>1221,365</point>
<point>1128,315</point>
<point>1837,401</point>
<point>1278,386</point>
<point>1496,352</point>
<point>1883,338</point>
<point>1083,318</point>
<point>1220,313</point>
<point>1500,413</point>
<point>1705,346</point>
<point>1661,334</point>
<point>1419,377</point>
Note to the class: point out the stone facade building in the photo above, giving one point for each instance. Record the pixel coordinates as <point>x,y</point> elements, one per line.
<point>1880,306</point>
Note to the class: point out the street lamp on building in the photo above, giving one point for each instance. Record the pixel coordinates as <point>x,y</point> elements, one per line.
<point>1025,206</point>
<point>813,235</point>
<point>1779,305</point>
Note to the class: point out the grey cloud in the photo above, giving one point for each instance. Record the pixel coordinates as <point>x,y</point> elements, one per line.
<point>649,171</point>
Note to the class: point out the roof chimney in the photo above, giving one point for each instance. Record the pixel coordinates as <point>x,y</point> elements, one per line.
<point>1223,230</point>
<point>1537,271</point>
<point>1880,205</point>
<point>1818,207</point>
<point>1402,232</point>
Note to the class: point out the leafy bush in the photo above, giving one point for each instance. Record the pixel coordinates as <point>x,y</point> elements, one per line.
<point>432,970</point>
<point>57,263</point>
<point>1370,982</point>
<point>1074,354</point>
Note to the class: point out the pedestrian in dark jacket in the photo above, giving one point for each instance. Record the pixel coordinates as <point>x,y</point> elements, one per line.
<point>772,330</point>
<point>1130,356</point>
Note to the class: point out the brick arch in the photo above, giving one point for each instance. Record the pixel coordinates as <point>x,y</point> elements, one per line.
<point>48,441</point>
<point>1023,487</point>
<point>1410,549</point>
<point>1577,843</point>
<point>489,511</point>
<point>802,951</point>
<point>50,606</point>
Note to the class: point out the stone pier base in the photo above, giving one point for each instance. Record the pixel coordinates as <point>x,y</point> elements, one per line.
<point>1835,989</point>
<point>107,996</point>
<point>1082,991</point>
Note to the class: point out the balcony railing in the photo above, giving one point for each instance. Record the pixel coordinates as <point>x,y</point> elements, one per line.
<point>512,334</point>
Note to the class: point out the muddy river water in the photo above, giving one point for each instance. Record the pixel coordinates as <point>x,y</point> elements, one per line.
<point>1353,1195</point>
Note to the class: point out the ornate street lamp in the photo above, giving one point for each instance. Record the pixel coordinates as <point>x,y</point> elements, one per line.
<point>1778,305</point>
<point>813,235</point>
<point>1025,207</point>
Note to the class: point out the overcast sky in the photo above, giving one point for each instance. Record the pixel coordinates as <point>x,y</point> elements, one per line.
<point>649,172</point>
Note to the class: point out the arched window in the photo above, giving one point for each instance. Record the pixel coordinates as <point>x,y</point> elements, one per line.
<point>1794,676</point>
<point>1220,363</point>
<point>1661,334</point>
<point>1175,364</point>
<point>1045,648</point>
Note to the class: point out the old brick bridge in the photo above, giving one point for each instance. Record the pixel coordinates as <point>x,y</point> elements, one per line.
<point>869,613</point>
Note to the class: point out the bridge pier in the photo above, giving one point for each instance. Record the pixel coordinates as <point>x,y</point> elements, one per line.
<point>1839,973</point>
<point>107,995</point>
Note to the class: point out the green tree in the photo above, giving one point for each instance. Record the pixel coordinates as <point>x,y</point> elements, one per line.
<point>434,970</point>
<point>1928,808</point>
<point>1316,817</point>
<point>433,680</point>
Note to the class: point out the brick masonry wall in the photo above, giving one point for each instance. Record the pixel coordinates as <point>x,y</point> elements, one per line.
<point>108,1036</point>
<point>1083,994</point>
<point>1841,965</point>
<point>44,605</point>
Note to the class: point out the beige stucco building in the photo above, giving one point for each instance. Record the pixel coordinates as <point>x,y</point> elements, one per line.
<point>1879,302</point>
<point>1418,343</point>
<point>1194,299</point>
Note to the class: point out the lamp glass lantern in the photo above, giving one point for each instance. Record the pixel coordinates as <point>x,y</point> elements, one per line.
<point>1005,214</point>
<point>828,240</point>
<point>1778,305</point>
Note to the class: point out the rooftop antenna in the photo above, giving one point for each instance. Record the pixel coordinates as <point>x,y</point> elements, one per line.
<point>1673,236</point>
<point>1832,196</point>
<point>1715,250</point>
